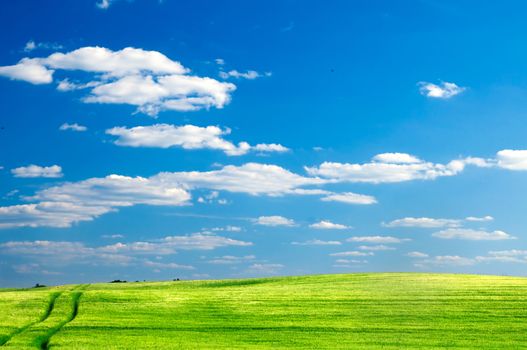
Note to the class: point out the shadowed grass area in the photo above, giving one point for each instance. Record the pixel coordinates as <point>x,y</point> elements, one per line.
<point>359,311</point>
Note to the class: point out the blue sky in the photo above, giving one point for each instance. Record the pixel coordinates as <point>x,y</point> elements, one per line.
<point>197,139</point>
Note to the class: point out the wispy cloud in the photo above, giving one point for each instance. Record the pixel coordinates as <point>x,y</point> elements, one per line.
<point>443,90</point>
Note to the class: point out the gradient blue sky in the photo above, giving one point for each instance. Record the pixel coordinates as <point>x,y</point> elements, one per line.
<point>405,121</point>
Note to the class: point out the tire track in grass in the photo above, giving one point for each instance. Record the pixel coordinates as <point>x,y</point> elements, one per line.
<point>49,308</point>
<point>43,342</point>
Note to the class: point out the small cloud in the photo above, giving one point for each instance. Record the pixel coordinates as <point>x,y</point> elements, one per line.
<point>377,239</point>
<point>220,61</point>
<point>379,247</point>
<point>250,74</point>
<point>265,268</point>
<point>423,222</point>
<point>104,4</point>
<point>417,255</point>
<point>350,198</point>
<point>32,45</point>
<point>444,90</point>
<point>479,219</point>
<point>352,253</point>
<point>73,127</point>
<point>274,220</point>
<point>317,242</point>
<point>328,225</point>
<point>230,260</point>
<point>112,236</point>
<point>33,171</point>
<point>472,235</point>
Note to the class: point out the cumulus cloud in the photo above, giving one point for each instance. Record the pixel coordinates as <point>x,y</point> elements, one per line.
<point>69,203</point>
<point>33,171</point>
<point>479,219</point>
<point>73,127</point>
<point>251,178</point>
<point>186,137</point>
<point>148,80</point>
<point>274,220</point>
<point>317,242</point>
<point>328,225</point>
<point>390,168</point>
<point>350,198</point>
<point>472,235</point>
<point>28,69</point>
<point>512,159</point>
<point>423,222</point>
<point>250,74</point>
<point>444,90</point>
<point>396,158</point>
<point>377,239</point>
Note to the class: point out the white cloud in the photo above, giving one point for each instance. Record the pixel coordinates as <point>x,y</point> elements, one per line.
<point>350,198</point>
<point>61,252</point>
<point>28,69</point>
<point>231,260</point>
<point>352,253</point>
<point>417,255</point>
<point>73,127</point>
<point>32,45</point>
<point>350,261</point>
<point>472,235</point>
<point>423,223</point>
<point>377,239</point>
<point>186,137</point>
<point>220,61</point>
<point>34,269</point>
<point>444,90</point>
<point>389,168</point>
<point>250,74</point>
<point>228,228</point>
<point>159,265</point>
<point>396,158</point>
<point>512,159</point>
<point>479,219</point>
<point>512,252</point>
<point>328,225</point>
<point>450,260</point>
<point>69,203</point>
<point>115,236</point>
<point>33,171</point>
<point>379,247</point>
<point>250,178</point>
<point>104,4</point>
<point>146,79</point>
<point>265,268</point>
<point>317,242</point>
<point>274,220</point>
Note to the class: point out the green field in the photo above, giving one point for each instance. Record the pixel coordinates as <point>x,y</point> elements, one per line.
<point>353,311</point>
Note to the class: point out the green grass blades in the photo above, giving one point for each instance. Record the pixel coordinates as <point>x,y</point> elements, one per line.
<point>356,311</point>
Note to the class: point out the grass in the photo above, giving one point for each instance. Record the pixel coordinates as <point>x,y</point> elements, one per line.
<point>355,311</point>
